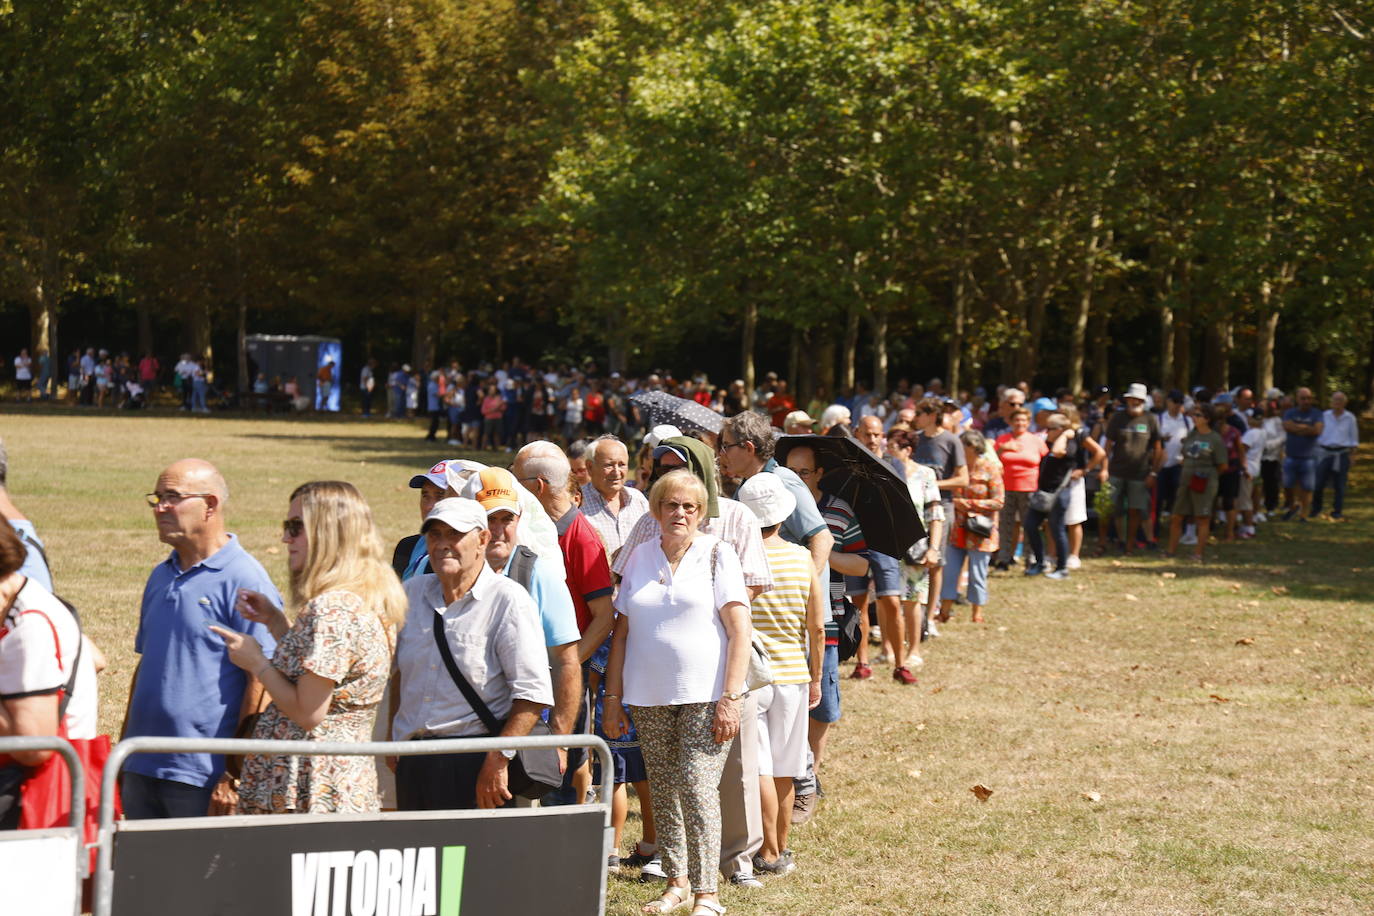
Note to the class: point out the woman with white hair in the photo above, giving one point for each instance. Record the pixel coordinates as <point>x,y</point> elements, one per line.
<point>834,415</point>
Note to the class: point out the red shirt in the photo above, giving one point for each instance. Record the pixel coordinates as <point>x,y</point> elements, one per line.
<point>1021,465</point>
<point>584,559</point>
<point>595,408</point>
<point>779,406</point>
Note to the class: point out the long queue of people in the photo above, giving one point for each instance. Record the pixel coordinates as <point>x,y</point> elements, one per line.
<point>686,609</point>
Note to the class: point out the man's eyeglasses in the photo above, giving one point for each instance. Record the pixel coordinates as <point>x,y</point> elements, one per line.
<point>726,446</point>
<point>170,499</point>
<point>803,472</point>
<point>293,527</point>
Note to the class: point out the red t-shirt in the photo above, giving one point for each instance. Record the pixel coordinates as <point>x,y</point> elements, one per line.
<point>584,559</point>
<point>595,408</point>
<point>779,406</point>
<point>1020,465</point>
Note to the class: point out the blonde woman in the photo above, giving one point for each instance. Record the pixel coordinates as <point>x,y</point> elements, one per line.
<point>331,666</point>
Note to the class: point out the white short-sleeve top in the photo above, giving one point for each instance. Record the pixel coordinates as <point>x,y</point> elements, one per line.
<point>676,648</point>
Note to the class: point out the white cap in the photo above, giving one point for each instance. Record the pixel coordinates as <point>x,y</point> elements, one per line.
<point>1137,391</point>
<point>459,513</point>
<point>659,433</point>
<point>434,475</point>
<point>768,497</point>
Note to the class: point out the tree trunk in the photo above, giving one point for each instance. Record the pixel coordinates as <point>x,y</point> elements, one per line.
<point>1166,345</point>
<point>1183,353</point>
<point>825,363</point>
<point>747,340</point>
<point>1101,338</point>
<point>198,336</point>
<point>794,362</point>
<point>851,344</point>
<point>956,333</point>
<point>880,324</point>
<point>1212,358</point>
<point>424,345</point>
<point>1085,301</point>
<point>1268,335</point>
<point>145,327</point>
<point>804,385</point>
<point>1228,342</point>
<point>241,344</point>
<point>41,322</point>
<point>1319,384</point>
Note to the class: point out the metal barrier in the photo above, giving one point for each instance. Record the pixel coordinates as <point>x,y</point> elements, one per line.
<point>77,819</point>
<point>104,872</point>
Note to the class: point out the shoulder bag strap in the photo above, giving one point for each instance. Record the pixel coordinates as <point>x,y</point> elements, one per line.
<point>483,711</point>
<point>76,661</point>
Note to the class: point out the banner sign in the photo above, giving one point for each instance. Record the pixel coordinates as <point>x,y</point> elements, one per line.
<point>394,864</point>
<point>38,872</point>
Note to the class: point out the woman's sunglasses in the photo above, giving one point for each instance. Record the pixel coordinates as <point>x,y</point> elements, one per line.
<point>293,527</point>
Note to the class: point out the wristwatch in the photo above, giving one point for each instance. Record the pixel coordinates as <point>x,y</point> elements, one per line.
<point>735,696</point>
<point>509,755</point>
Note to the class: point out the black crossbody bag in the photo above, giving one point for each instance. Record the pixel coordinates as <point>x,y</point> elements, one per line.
<point>534,772</point>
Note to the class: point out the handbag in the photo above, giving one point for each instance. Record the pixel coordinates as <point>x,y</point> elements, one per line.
<point>533,772</point>
<point>45,793</point>
<point>1198,482</point>
<point>760,672</point>
<point>849,628</point>
<point>979,525</point>
<point>1043,501</point>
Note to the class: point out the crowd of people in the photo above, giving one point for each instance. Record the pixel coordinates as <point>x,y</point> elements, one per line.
<point>686,605</point>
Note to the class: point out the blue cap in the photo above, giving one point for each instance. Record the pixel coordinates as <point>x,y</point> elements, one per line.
<point>1040,404</point>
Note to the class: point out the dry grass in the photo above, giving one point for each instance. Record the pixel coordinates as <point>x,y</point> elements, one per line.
<point>1230,778</point>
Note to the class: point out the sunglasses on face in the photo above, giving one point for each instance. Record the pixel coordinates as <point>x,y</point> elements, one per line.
<point>293,527</point>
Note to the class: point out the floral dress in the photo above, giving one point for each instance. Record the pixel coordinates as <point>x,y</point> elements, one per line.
<point>336,637</point>
<point>984,495</point>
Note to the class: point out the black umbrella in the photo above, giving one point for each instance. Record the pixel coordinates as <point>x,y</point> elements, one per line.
<point>663,407</point>
<point>882,503</point>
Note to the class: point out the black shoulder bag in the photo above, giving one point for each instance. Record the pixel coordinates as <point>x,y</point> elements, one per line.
<point>533,773</point>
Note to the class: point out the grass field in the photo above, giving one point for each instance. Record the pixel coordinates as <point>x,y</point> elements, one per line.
<point>1159,738</point>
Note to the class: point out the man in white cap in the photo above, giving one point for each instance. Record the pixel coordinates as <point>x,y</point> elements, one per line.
<point>409,557</point>
<point>1135,451</point>
<point>490,625</point>
<point>495,490</point>
<point>797,423</point>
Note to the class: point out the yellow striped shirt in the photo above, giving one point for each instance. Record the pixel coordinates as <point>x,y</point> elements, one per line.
<point>780,615</point>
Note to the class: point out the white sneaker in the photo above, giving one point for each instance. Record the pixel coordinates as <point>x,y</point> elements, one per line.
<point>1261,518</point>
<point>1073,562</point>
<point>1189,537</point>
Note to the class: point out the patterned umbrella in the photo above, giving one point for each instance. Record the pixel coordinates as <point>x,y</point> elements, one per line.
<point>880,498</point>
<point>662,407</point>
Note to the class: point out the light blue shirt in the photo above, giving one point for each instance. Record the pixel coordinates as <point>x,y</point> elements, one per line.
<point>35,563</point>
<point>551,596</point>
<point>187,687</point>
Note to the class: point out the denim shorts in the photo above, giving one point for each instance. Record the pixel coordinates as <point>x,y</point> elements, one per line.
<point>828,709</point>
<point>1300,472</point>
<point>884,571</point>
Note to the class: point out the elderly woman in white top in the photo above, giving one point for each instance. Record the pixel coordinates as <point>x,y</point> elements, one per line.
<point>679,657</point>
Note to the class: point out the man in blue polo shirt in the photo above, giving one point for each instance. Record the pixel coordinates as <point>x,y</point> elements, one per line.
<point>1304,425</point>
<point>184,685</point>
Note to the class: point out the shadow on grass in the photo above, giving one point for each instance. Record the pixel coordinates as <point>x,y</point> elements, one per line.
<point>417,453</point>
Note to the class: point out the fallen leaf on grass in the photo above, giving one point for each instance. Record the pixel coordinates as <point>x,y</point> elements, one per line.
<point>1129,597</point>
<point>274,550</point>
<point>1218,697</point>
<point>1252,604</point>
<point>1279,589</point>
<point>982,792</point>
<point>920,726</point>
<point>1116,563</point>
<point>1297,652</point>
<point>937,690</point>
<point>1235,586</point>
<point>1245,641</point>
<point>1092,796</point>
<point>914,774</point>
<point>1168,575</point>
<point>1207,685</point>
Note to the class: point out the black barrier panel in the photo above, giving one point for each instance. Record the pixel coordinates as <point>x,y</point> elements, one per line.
<point>541,861</point>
